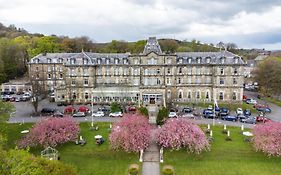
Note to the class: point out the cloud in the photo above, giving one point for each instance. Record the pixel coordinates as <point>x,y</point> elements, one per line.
<point>244,22</point>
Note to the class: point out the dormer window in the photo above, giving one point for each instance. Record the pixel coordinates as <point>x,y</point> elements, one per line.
<point>99,61</point>
<point>60,60</point>
<point>189,60</point>
<point>49,60</point>
<point>222,60</point>
<point>72,61</point>
<point>235,60</point>
<point>85,61</point>
<point>208,60</point>
<point>108,61</point>
<point>180,60</point>
<point>116,61</point>
<point>124,61</point>
<point>36,60</point>
<point>198,60</point>
<point>152,61</point>
<point>180,70</point>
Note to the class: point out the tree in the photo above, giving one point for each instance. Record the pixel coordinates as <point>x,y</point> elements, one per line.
<point>19,162</point>
<point>221,45</point>
<point>162,116</point>
<point>51,132</point>
<point>143,111</point>
<point>267,138</point>
<point>181,133</point>
<point>131,134</point>
<point>169,45</point>
<point>268,76</point>
<point>115,107</point>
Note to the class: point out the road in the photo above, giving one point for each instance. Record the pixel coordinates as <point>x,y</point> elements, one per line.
<point>275,115</point>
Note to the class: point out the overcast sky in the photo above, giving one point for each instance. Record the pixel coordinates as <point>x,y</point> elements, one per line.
<point>248,23</point>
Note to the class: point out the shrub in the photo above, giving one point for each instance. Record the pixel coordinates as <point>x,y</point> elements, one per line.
<point>162,115</point>
<point>143,111</point>
<point>134,169</point>
<point>178,133</point>
<point>168,170</point>
<point>267,138</point>
<point>115,107</point>
<point>131,134</point>
<point>51,132</point>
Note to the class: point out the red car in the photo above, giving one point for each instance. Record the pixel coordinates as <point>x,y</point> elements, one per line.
<point>69,109</point>
<point>132,109</point>
<point>84,109</point>
<point>261,118</point>
<point>244,98</point>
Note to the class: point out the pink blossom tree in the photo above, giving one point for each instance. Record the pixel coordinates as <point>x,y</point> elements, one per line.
<point>131,134</point>
<point>267,138</point>
<point>181,133</point>
<point>51,132</point>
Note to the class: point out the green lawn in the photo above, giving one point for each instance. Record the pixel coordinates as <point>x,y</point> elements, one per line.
<point>274,101</point>
<point>225,158</point>
<point>90,159</point>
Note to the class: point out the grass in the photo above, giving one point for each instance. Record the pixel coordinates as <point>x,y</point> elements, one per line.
<point>274,101</point>
<point>90,159</point>
<point>234,157</point>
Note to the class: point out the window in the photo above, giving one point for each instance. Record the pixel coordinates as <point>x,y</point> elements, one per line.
<point>136,61</point>
<point>152,61</point>
<point>158,81</point>
<point>189,95</point>
<point>221,96</point>
<point>36,68</point>
<point>49,60</point>
<point>116,71</point>
<point>49,76</point>
<point>99,71</point>
<point>116,61</point>
<point>125,61</point>
<point>136,81</point>
<point>49,68</point>
<point>208,80</point>
<point>61,76</point>
<point>36,60</point>
<point>234,96</point>
<point>158,71</point>
<point>86,72</point>
<point>99,61</point>
<point>86,95</point>
<point>107,61</point>
<point>86,82</point>
<point>180,70</point>
<point>85,61</point>
<point>73,83</point>
<point>234,81</point>
<point>235,71</point>
<point>180,93</point>
<point>198,70</point>
<point>74,95</point>
<point>222,60</point>
<point>198,80</point>
<point>169,61</point>
<point>208,60</point>
<point>189,60</point>
<point>168,70</point>
<point>189,71</point>
<point>222,71</point>
<point>198,60</point>
<point>221,81</point>
<point>189,80</point>
<point>72,61</point>
<point>198,94</point>
<point>207,95</point>
<point>72,72</point>
<point>179,81</point>
<point>236,60</point>
<point>168,81</point>
<point>180,60</point>
<point>60,60</point>
<point>37,76</point>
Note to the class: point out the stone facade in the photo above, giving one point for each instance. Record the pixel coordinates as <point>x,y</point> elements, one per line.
<point>151,77</point>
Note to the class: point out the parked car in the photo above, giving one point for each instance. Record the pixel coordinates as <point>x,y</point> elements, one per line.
<point>224,112</point>
<point>251,101</point>
<point>230,118</point>
<point>79,114</point>
<point>58,114</point>
<point>84,109</point>
<point>173,115</point>
<point>250,120</point>
<point>69,109</point>
<point>48,111</point>
<point>208,113</point>
<point>261,118</point>
<point>98,114</point>
<point>116,114</point>
<point>247,112</point>
<point>104,109</point>
<point>241,117</point>
<point>132,109</point>
<point>188,115</point>
<point>187,110</point>
<point>244,98</point>
<point>173,110</point>
<point>239,111</point>
<point>264,109</point>
<point>260,106</point>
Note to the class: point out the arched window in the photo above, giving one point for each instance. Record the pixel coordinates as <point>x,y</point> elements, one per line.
<point>198,94</point>
<point>180,94</point>
<point>189,95</point>
<point>221,96</point>
<point>207,95</point>
<point>86,95</point>
<point>234,96</point>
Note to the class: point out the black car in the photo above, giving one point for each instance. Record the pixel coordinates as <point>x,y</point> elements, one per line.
<point>247,112</point>
<point>187,110</point>
<point>48,111</point>
<point>224,112</point>
<point>208,113</point>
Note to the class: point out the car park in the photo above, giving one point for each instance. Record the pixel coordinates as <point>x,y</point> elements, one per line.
<point>239,111</point>
<point>116,114</point>
<point>208,113</point>
<point>230,118</point>
<point>224,112</point>
<point>79,114</point>
<point>247,112</point>
<point>173,115</point>
<point>98,114</point>
<point>251,101</point>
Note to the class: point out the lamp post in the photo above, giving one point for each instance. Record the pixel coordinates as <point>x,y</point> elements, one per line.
<point>92,105</point>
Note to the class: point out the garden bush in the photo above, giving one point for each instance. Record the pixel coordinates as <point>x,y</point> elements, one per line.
<point>131,134</point>
<point>134,169</point>
<point>181,133</point>
<point>51,132</point>
<point>168,170</point>
<point>267,138</point>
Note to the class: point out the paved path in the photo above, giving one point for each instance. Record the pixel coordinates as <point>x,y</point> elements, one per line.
<point>151,158</point>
